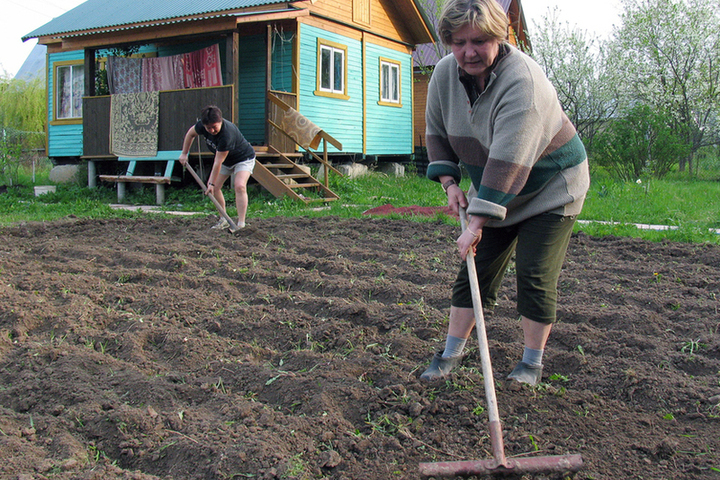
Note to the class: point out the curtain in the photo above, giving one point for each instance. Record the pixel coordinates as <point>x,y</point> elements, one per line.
<point>162,73</point>
<point>202,68</point>
<point>124,75</point>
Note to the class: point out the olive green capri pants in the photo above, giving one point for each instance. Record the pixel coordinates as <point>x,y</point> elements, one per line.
<point>539,244</point>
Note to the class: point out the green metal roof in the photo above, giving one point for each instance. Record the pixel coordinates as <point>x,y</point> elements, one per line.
<point>100,14</point>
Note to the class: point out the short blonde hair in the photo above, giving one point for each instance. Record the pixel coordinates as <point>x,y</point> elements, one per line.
<point>485,15</point>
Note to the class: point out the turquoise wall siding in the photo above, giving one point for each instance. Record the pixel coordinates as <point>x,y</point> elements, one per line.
<point>343,119</point>
<point>388,129</point>
<point>251,114</point>
<point>63,140</point>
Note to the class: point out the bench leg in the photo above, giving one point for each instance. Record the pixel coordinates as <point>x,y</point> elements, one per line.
<point>121,191</point>
<point>159,193</point>
<point>92,174</point>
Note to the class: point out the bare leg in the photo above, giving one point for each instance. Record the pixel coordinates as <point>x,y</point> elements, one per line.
<point>241,196</point>
<point>218,191</point>
<point>462,322</point>
<point>536,334</point>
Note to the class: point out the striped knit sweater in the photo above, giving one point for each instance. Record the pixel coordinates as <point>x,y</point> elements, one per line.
<point>522,153</point>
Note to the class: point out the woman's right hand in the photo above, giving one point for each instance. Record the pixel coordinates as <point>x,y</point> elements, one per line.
<point>183,159</point>
<point>467,240</point>
<point>472,235</point>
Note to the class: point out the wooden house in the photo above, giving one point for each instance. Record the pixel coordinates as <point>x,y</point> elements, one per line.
<point>346,65</point>
<point>427,55</point>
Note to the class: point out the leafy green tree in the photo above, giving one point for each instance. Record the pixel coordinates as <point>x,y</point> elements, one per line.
<point>642,143</point>
<point>668,54</point>
<point>10,153</point>
<point>577,66</point>
<point>22,111</point>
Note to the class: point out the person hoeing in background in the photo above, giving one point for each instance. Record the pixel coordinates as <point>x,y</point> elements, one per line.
<point>491,108</point>
<point>233,155</point>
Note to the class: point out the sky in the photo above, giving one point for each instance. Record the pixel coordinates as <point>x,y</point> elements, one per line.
<point>21,17</point>
<point>595,17</point>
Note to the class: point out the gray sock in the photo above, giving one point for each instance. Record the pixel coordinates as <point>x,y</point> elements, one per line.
<point>454,346</point>
<point>533,357</point>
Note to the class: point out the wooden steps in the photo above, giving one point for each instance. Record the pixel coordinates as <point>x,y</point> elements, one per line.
<point>275,170</point>
<point>281,176</point>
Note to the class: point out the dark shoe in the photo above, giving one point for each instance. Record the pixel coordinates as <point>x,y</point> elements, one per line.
<point>525,373</point>
<point>440,367</point>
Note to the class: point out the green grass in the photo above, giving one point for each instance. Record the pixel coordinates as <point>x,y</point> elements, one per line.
<point>690,205</point>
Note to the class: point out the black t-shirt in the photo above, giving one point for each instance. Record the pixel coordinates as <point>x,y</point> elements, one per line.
<point>229,139</point>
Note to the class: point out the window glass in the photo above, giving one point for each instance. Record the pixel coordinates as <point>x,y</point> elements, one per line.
<point>395,93</point>
<point>325,64</point>
<point>338,70</point>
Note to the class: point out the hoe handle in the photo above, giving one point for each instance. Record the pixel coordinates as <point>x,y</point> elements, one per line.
<point>219,207</point>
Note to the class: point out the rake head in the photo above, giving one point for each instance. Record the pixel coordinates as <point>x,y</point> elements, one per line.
<point>548,464</point>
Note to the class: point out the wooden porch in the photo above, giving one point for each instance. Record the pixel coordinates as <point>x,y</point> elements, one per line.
<point>276,169</point>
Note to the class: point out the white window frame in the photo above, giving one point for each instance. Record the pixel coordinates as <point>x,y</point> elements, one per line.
<point>390,92</point>
<point>332,59</point>
<point>76,71</point>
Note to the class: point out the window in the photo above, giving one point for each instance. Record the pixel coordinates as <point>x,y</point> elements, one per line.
<point>69,90</point>
<point>332,69</point>
<point>389,83</point>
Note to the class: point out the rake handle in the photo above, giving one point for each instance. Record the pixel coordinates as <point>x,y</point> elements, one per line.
<point>498,464</point>
<point>494,425</point>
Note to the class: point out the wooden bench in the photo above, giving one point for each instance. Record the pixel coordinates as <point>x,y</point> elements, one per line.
<point>169,156</point>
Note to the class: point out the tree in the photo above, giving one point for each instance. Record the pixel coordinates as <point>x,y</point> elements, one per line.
<point>22,111</point>
<point>427,56</point>
<point>641,143</point>
<point>576,66</point>
<point>669,53</point>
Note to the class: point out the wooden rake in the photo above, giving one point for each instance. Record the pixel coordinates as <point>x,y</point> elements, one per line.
<point>499,464</point>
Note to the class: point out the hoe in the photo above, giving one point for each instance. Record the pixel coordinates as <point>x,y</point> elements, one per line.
<point>499,464</point>
<point>220,209</point>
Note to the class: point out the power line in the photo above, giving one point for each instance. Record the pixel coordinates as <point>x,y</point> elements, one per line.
<point>43,4</point>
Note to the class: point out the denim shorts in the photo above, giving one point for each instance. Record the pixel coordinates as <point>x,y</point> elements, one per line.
<point>539,244</point>
<point>244,166</point>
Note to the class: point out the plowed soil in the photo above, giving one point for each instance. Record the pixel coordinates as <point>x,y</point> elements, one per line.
<point>158,348</point>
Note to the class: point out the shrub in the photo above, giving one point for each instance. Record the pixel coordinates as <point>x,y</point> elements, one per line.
<point>638,144</point>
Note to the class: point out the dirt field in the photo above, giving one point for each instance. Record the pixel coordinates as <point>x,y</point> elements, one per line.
<point>157,348</point>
